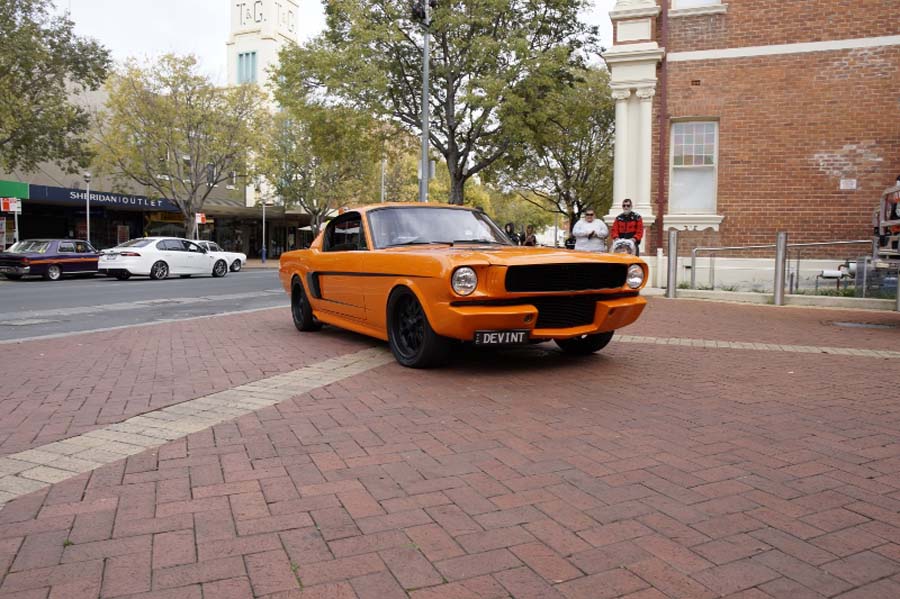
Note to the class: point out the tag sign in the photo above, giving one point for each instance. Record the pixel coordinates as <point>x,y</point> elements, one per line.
<point>200,218</point>
<point>10,205</point>
<point>848,184</point>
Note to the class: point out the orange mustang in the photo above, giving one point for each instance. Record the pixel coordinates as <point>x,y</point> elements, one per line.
<point>423,275</point>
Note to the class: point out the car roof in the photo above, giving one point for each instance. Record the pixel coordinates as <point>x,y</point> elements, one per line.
<point>372,207</point>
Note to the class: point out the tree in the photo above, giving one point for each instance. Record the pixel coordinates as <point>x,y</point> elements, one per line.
<point>320,158</point>
<point>43,65</point>
<point>170,129</point>
<point>488,56</point>
<point>564,163</point>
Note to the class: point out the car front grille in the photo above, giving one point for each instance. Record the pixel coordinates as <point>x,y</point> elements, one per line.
<point>564,312</point>
<point>565,277</point>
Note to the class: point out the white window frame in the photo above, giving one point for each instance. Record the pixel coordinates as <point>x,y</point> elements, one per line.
<point>696,220</point>
<point>246,67</point>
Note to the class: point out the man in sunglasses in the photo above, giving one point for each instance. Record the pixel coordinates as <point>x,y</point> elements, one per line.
<point>590,233</point>
<point>629,225</point>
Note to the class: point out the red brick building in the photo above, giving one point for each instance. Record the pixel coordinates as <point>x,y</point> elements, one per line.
<point>736,120</point>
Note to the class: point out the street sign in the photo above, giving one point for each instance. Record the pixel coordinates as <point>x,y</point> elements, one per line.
<point>10,205</point>
<point>200,218</point>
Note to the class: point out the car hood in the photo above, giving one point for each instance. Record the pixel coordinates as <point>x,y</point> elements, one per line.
<point>496,255</point>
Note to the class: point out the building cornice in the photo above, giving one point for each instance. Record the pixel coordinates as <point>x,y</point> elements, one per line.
<point>777,49</point>
<point>643,52</point>
<point>633,13</point>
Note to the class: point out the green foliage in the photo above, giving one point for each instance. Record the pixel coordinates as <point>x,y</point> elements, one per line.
<point>491,60</point>
<point>172,130</point>
<point>321,158</point>
<point>43,64</point>
<point>565,161</point>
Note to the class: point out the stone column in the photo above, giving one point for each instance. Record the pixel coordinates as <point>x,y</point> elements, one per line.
<point>642,202</point>
<point>620,184</point>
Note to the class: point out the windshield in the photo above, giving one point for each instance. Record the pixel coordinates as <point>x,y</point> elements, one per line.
<point>29,246</point>
<point>135,243</point>
<point>412,226</point>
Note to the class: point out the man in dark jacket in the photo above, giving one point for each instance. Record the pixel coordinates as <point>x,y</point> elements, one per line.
<point>628,225</point>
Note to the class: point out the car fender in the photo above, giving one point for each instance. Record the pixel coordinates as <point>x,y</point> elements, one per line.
<point>414,285</point>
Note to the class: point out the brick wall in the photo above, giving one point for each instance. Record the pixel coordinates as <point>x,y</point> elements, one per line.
<point>791,126</point>
<point>765,22</point>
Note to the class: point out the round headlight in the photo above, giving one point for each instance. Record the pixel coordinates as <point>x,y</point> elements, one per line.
<point>464,280</point>
<point>635,276</point>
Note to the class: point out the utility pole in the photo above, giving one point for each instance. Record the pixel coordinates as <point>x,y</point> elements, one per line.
<point>425,169</point>
<point>87,206</point>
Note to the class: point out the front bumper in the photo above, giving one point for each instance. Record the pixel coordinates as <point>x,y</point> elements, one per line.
<point>460,321</point>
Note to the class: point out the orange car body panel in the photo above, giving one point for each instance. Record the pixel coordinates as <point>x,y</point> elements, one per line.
<point>354,286</point>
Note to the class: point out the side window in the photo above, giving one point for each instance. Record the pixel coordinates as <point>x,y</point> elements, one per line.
<point>192,247</point>
<point>66,248</point>
<point>82,248</point>
<point>345,234</point>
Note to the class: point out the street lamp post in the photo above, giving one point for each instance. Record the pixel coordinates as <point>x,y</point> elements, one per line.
<point>426,58</point>
<point>87,206</point>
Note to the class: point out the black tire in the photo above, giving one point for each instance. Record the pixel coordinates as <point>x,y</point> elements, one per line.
<point>301,309</point>
<point>159,270</point>
<point>413,342</point>
<point>586,344</point>
<point>220,269</point>
<point>13,277</point>
<point>123,275</point>
<point>236,266</point>
<point>54,273</point>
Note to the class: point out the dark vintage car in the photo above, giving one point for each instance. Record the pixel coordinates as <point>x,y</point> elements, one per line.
<point>49,258</point>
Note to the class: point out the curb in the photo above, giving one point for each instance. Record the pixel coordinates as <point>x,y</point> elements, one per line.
<point>808,301</point>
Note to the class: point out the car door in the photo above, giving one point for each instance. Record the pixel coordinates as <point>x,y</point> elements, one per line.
<point>339,269</point>
<point>198,260</point>
<point>171,251</point>
<point>87,256</point>
<point>65,257</point>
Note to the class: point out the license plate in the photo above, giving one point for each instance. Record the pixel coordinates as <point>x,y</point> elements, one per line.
<point>514,337</point>
<point>109,257</point>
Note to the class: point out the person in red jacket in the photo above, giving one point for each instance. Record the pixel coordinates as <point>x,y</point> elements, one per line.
<point>628,225</point>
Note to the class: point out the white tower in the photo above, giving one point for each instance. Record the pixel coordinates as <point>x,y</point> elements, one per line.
<point>259,29</point>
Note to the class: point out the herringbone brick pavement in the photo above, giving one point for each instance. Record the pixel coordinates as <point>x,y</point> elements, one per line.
<point>644,472</point>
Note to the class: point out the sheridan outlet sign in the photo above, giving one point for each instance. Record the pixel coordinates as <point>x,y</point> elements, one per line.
<point>75,197</point>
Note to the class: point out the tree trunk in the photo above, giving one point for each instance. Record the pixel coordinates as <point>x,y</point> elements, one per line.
<point>189,227</point>
<point>456,189</point>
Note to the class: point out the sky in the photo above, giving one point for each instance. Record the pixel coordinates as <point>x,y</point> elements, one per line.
<point>148,28</point>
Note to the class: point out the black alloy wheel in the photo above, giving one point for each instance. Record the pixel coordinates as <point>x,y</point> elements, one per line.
<point>220,269</point>
<point>585,344</point>
<point>301,310</point>
<point>54,273</point>
<point>413,342</point>
<point>159,270</point>
<point>236,266</point>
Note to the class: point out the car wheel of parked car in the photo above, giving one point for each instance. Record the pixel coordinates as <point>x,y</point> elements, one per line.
<point>220,269</point>
<point>13,277</point>
<point>54,273</point>
<point>123,275</point>
<point>413,342</point>
<point>301,310</point>
<point>586,344</point>
<point>236,266</point>
<point>159,270</point>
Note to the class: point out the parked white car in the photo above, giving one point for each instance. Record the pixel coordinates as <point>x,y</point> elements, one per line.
<point>159,257</point>
<point>235,260</point>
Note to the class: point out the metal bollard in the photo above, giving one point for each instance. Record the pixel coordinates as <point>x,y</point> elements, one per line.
<point>780,257</point>
<point>672,276</point>
<point>897,307</point>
